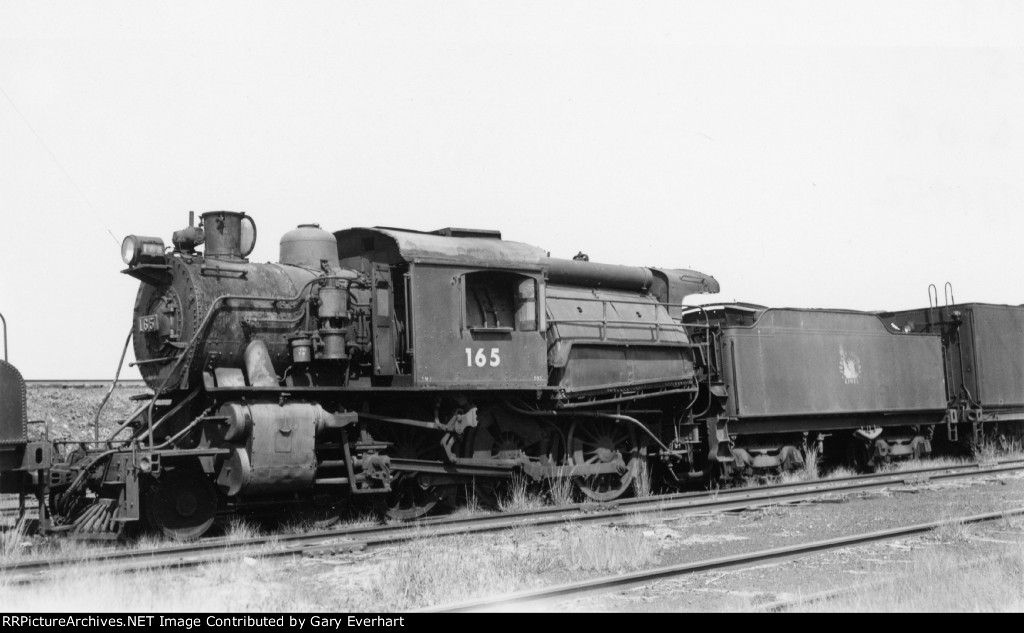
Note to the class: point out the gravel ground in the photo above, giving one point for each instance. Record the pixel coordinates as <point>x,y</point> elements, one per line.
<point>69,411</point>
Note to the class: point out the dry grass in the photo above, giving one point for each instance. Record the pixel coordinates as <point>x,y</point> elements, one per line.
<point>148,540</point>
<point>453,569</point>
<point>606,549</point>
<point>561,490</point>
<point>985,451</point>
<point>235,584</point>
<point>954,572</point>
<point>471,505</point>
<point>953,532</point>
<point>240,530</point>
<point>812,464</point>
<point>519,497</point>
<point>809,471</point>
<point>643,478</point>
<point>359,520</point>
<point>941,580</point>
<point>910,465</point>
<point>840,472</point>
<point>18,546</point>
<point>13,541</point>
<point>992,449</point>
<point>347,516</point>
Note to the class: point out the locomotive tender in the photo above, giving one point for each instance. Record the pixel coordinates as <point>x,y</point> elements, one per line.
<point>404,366</point>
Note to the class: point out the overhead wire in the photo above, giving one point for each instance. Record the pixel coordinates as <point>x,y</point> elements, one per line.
<point>56,161</point>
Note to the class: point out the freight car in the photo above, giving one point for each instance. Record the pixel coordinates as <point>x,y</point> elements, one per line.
<point>383,363</point>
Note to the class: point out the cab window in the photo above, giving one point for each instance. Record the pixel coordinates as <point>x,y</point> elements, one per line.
<point>500,301</point>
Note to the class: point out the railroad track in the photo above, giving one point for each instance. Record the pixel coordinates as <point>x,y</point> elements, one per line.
<point>349,539</point>
<point>570,591</point>
<point>83,383</point>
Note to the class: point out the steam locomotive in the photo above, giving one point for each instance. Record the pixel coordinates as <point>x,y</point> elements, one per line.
<point>402,366</point>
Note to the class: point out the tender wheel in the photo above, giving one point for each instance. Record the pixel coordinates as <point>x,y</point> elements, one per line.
<point>602,441</point>
<point>182,503</point>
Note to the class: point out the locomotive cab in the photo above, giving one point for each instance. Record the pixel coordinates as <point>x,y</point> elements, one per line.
<point>453,309</point>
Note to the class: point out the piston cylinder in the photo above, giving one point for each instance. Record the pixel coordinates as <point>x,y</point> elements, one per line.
<point>273,445</point>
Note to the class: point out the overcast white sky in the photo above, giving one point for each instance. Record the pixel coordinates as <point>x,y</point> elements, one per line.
<point>810,154</point>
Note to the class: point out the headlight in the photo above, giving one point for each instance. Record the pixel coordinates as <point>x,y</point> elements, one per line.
<point>137,249</point>
<point>128,249</point>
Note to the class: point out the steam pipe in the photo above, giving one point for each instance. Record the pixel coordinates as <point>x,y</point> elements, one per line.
<point>584,273</point>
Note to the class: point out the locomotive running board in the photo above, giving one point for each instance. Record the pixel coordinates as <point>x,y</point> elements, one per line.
<point>575,400</point>
<point>481,469</point>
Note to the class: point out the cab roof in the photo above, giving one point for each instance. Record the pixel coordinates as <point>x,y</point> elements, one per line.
<point>398,245</point>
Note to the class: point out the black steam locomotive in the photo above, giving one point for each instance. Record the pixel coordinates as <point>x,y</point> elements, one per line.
<point>401,366</point>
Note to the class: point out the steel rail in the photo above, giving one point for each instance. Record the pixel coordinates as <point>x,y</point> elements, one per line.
<point>625,581</point>
<point>838,592</point>
<point>374,536</point>
<point>84,383</point>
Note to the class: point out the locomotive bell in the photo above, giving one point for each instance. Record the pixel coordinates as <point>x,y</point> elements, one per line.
<point>228,234</point>
<point>187,239</point>
<point>307,246</point>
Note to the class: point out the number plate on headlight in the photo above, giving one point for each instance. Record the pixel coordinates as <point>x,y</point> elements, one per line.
<point>148,323</point>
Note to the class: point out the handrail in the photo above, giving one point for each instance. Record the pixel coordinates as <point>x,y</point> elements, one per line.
<point>117,375</point>
<point>647,324</point>
<point>5,335</point>
<point>707,357</point>
<point>617,300</point>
